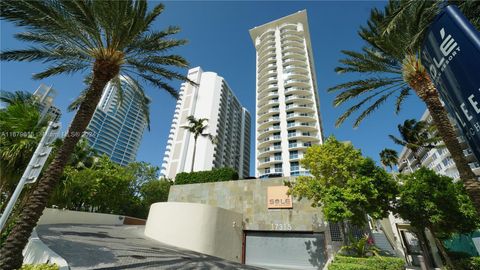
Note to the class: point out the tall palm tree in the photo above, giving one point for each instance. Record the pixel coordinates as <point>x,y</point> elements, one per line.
<point>196,127</point>
<point>416,134</point>
<point>392,67</point>
<point>104,38</point>
<point>388,158</point>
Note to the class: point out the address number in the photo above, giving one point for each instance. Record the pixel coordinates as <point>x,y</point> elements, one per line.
<point>281,227</point>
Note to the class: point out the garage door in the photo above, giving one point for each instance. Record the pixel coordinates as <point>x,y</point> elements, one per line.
<point>285,250</point>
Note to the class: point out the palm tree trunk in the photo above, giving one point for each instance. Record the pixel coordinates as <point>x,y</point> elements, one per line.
<point>12,258</point>
<point>428,93</point>
<point>194,150</point>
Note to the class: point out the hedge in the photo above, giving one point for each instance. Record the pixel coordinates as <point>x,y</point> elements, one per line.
<point>370,263</point>
<point>40,267</point>
<point>215,175</point>
<point>472,263</point>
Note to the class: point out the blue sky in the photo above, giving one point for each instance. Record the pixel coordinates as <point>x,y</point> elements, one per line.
<point>219,41</point>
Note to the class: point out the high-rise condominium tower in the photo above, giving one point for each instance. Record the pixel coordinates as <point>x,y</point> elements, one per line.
<point>116,128</point>
<point>288,116</point>
<point>44,97</point>
<point>228,122</point>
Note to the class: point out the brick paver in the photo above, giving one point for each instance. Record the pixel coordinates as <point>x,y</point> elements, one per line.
<point>122,247</point>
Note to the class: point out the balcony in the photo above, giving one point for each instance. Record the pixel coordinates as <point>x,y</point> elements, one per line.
<point>288,82</point>
<point>299,107</point>
<point>267,35</point>
<point>268,73</point>
<point>269,140</point>
<point>305,98</point>
<point>294,55</point>
<point>303,126</point>
<point>265,51</point>
<point>270,129</point>
<point>272,85</point>
<point>297,90</point>
<point>270,55</point>
<point>263,67</point>
<point>268,103</point>
<point>268,95</point>
<point>291,37</point>
<point>266,44</point>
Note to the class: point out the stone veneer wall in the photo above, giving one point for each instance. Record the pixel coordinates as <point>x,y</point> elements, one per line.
<point>249,197</point>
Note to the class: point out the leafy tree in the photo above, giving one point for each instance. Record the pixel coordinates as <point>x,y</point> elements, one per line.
<point>105,188</point>
<point>392,68</point>
<point>388,158</point>
<point>434,202</point>
<point>154,191</point>
<point>108,38</point>
<point>345,184</point>
<point>416,134</point>
<point>196,127</point>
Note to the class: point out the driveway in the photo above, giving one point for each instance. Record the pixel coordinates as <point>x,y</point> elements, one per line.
<point>122,247</point>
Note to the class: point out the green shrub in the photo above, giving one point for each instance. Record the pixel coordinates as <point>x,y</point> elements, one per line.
<point>370,263</point>
<point>43,266</point>
<point>215,175</point>
<point>472,263</point>
<point>348,266</point>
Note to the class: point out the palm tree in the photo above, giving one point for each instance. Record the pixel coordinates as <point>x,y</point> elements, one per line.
<point>105,38</point>
<point>22,129</point>
<point>415,135</point>
<point>388,158</point>
<point>196,127</point>
<point>390,60</point>
<point>10,98</point>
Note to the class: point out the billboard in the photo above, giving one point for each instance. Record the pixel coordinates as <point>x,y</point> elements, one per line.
<point>451,54</point>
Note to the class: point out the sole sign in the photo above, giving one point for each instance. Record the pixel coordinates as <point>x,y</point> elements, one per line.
<point>451,54</point>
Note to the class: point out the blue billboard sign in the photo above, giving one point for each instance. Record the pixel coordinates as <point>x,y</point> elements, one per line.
<point>451,54</point>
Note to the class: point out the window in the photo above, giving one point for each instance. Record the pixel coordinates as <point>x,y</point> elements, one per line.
<point>278,156</point>
<point>267,170</point>
<point>278,167</point>
<point>293,154</point>
<point>292,143</point>
<point>294,166</point>
<point>276,135</point>
<point>292,133</point>
<point>277,145</point>
<point>291,123</point>
<point>307,144</point>
<point>290,114</point>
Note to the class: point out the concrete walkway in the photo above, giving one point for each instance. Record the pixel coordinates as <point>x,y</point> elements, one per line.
<point>122,247</point>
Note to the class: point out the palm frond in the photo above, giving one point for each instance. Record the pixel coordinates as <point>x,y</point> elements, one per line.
<point>404,93</point>
<point>372,108</point>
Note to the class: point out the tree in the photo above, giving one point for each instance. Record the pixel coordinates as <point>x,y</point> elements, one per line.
<point>22,129</point>
<point>434,202</point>
<point>108,38</point>
<point>10,98</point>
<point>196,127</point>
<point>415,135</point>
<point>154,191</point>
<point>345,184</point>
<point>388,158</point>
<point>390,60</point>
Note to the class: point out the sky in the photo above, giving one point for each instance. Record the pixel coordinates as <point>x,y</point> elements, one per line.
<point>219,41</point>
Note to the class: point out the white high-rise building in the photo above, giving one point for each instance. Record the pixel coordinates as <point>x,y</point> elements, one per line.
<point>437,159</point>
<point>288,114</point>
<point>228,122</point>
<point>44,97</point>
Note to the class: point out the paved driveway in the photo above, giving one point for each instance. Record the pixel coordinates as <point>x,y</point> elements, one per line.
<point>122,247</point>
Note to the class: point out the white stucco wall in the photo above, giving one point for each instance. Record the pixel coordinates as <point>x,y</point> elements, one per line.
<point>198,227</point>
<point>36,252</point>
<point>57,216</point>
